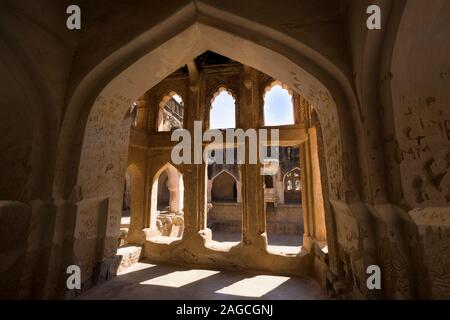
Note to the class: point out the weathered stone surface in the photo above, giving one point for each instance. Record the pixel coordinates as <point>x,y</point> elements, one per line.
<point>14,222</point>
<point>432,251</point>
<point>129,256</point>
<point>372,117</point>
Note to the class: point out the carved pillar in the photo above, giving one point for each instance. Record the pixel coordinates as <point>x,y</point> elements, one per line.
<point>319,229</point>
<point>300,105</point>
<point>142,105</point>
<point>153,205</point>
<point>307,193</point>
<point>195,178</point>
<point>312,201</point>
<point>307,185</point>
<point>279,187</point>
<point>174,202</point>
<point>181,193</point>
<point>239,191</point>
<point>209,190</point>
<point>173,184</point>
<point>254,218</point>
<point>137,206</point>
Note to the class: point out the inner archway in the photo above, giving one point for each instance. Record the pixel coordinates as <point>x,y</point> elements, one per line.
<point>224,188</point>
<point>292,186</point>
<point>225,209</point>
<point>278,105</point>
<point>107,137</point>
<point>171,112</point>
<point>223,110</point>
<point>167,202</point>
<point>196,39</point>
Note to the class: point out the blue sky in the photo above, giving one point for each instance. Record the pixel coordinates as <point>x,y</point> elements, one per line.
<point>223,112</point>
<point>278,107</point>
<point>277,111</point>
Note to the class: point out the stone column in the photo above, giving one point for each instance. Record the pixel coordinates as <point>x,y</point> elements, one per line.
<point>319,229</point>
<point>195,178</point>
<point>299,107</point>
<point>307,193</point>
<point>209,191</point>
<point>239,191</point>
<point>181,193</point>
<point>142,106</point>
<point>254,218</point>
<point>153,205</point>
<point>173,184</point>
<point>279,187</point>
<point>137,207</point>
<point>174,202</point>
<point>307,189</point>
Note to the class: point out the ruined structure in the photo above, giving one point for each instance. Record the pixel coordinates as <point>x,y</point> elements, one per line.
<point>86,118</point>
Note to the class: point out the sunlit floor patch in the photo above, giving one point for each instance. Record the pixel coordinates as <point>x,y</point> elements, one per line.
<point>136,267</point>
<point>146,281</point>
<point>254,287</point>
<point>289,250</point>
<point>221,246</point>
<point>178,279</point>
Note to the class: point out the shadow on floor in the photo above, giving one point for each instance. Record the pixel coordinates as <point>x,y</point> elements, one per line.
<point>145,281</point>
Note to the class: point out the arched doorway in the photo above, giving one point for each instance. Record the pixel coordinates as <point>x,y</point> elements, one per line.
<point>223,110</point>
<point>163,193</point>
<point>224,188</point>
<point>292,186</point>
<point>278,106</point>
<point>167,202</point>
<point>225,210</point>
<point>171,112</point>
<point>121,89</point>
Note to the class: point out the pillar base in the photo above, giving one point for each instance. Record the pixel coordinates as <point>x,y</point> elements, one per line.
<point>200,237</point>
<point>257,241</point>
<point>308,243</point>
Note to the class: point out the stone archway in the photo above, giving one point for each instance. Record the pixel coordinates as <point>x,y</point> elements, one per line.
<point>195,40</point>
<point>106,137</point>
<point>292,186</point>
<point>175,120</point>
<point>174,199</point>
<point>27,125</point>
<point>224,188</point>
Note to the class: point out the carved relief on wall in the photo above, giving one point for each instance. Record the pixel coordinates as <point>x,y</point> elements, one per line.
<point>423,132</point>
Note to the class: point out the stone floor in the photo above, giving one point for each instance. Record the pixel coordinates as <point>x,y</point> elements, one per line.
<point>145,281</point>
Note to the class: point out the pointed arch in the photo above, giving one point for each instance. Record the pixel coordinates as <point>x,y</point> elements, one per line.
<point>224,187</point>
<point>136,185</point>
<point>223,110</point>
<point>292,185</point>
<point>195,40</point>
<point>175,187</point>
<point>222,171</point>
<point>170,112</point>
<point>278,104</point>
<point>111,86</point>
